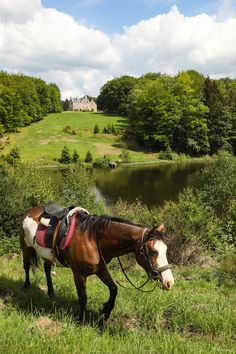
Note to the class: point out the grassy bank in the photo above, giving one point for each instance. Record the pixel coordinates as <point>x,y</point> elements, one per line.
<point>197,316</point>
<point>44,141</point>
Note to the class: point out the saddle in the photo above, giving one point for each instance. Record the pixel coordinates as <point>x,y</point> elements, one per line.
<point>56,228</point>
<point>56,220</point>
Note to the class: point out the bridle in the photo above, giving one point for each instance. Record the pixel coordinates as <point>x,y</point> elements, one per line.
<point>155,272</point>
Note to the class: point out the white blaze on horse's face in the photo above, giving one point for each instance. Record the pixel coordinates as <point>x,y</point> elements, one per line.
<point>161,261</point>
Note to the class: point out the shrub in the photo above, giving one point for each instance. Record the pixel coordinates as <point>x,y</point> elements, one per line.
<point>75,157</point>
<point>166,155</point>
<point>25,186</point>
<point>125,157</point>
<point>88,157</point>
<point>102,162</point>
<point>22,187</point>
<point>96,129</point>
<point>77,190</point>
<point>65,156</point>
<point>226,268</point>
<point>13,157</point>
<point>218,183</point>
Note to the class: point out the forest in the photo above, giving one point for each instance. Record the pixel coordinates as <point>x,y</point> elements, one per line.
<point>24,100</point>
<point>187,113</point>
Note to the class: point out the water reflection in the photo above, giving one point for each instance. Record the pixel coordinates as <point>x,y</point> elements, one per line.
<point>151,184</point>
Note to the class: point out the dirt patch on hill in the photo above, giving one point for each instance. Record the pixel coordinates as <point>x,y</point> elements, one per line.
<point>105,149</point>
<point>44,323</point>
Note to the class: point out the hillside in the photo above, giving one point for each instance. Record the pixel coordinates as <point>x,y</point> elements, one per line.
<point>194,317</point>
<point>42,142</point>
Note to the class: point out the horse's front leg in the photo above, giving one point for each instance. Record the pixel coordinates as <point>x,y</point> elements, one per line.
<point>47,269</point>
<point>106,278</point>
<point>80,282</point>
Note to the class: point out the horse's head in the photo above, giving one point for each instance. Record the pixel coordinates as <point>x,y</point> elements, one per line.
<point>152,256</point>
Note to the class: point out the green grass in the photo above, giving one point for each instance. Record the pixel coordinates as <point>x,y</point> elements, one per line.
<point>197,316</point>
<point>42,142</point>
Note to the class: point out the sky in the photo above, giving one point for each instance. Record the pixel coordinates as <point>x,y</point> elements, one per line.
<point>81,44</point>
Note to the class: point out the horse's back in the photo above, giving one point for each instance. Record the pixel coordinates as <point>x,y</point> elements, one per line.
<point>34,212</point>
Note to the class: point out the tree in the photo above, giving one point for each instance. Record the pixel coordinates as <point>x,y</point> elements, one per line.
<point>88,157</point>
<point>219,118</point>
<point>75,157</point>
<point>154,112</point>
<point>65,156</point>
<point>96,129</point>
<point>114,95</point>
<point>13,157</point>
<point>191,133</point>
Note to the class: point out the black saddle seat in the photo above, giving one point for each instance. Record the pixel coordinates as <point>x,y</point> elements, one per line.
<point>53,209</point>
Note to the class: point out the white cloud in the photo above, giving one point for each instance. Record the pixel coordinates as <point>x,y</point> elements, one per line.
<point>172,42</point>
<point>18,10</point>
<point>226,10</point>
<point>50,44</point>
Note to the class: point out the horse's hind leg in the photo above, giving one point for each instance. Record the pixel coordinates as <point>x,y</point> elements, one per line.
<point>106,278</point>
<point>47,269</point>
<point>27,257</point>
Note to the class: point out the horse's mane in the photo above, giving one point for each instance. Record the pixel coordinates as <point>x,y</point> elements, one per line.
<point>97,224</point>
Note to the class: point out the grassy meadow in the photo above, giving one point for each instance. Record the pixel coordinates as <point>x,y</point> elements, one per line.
<point>42,142</point>
<point>197,316</point>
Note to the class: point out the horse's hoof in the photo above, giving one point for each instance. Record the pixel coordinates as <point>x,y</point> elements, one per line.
<point>25,287</point>
<point>51,295</point>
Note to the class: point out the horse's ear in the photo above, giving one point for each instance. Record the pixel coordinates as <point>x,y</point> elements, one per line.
<point>160,228</point>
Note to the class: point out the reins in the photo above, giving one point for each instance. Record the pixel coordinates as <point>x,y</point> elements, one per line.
<point>134,286</point>
<point>156,272</point>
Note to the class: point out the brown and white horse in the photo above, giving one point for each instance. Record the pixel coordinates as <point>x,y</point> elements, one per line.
<point>95,241</point>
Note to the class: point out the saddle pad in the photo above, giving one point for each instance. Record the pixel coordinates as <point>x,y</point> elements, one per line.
<point>40,235</point>
<point>68,236</point>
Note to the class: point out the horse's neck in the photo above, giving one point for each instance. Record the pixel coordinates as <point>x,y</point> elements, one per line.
<point>123,238</point>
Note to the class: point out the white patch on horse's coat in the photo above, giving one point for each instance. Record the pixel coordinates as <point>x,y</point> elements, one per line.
<point>161,261</point>
<point>30,227</point>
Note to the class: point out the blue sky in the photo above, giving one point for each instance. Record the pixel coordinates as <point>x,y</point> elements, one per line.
<point>81,44</point>
<point>111,16</point>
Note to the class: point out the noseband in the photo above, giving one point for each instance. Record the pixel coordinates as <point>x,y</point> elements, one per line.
<point>155,271</point>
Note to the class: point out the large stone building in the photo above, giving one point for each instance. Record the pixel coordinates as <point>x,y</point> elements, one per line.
<point>82,104</point>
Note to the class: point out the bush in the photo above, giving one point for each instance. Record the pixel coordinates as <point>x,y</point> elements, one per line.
<point>226,269</point>
<point>102,162</point>
<point>125,157</point>
<point>218,183</point>
<point>75,157</point>
<point>13,157</point>
<point>77,190</point>
<point>96,129</point>
<point>22,187</point>
<point>25,186</point>
<point>65,156</point>
<point>88,157</point>
<point>166,155</point>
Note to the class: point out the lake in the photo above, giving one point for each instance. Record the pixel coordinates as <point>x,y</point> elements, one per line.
<point>152,184</point>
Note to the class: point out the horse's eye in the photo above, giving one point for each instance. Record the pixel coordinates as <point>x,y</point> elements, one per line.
<point>153,253</point>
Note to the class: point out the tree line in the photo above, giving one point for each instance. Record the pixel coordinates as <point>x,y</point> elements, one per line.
<point>24,100</point>
<point>187,113</point>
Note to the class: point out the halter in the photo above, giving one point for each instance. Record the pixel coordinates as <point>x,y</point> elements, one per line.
<point>155,271</point>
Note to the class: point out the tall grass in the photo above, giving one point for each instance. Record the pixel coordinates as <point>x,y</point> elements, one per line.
<point>195,317</point>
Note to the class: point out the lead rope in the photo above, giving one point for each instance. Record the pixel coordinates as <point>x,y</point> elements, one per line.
<point>134,286</point>
<point>123,270</point>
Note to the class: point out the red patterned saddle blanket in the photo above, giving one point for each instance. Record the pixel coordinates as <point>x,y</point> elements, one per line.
<point>42,240</point>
